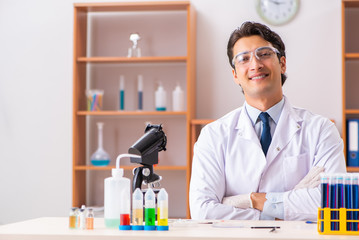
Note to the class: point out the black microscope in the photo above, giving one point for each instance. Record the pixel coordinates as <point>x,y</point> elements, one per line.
<point>147,147</point>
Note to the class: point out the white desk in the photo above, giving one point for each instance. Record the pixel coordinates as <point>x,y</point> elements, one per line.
<point>57,228</point>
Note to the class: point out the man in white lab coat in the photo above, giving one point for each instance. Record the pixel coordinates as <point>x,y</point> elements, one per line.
<point>262,160</point>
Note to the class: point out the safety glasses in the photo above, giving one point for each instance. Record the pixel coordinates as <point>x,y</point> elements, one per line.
<point>243,59</point>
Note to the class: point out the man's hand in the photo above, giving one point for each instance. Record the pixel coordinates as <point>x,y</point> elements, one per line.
<point>239,201</point>
<point>258,200</point>
<point>312,179</point>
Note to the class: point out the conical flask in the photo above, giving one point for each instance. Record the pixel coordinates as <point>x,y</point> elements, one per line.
<point>100,157</point>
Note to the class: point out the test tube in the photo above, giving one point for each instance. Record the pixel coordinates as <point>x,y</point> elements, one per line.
<point>125,209</point>
<point>89,219</point>
<point>150,210</point>
<point>340,191</point>
<point>324,183</point>
<point>140,92</point>
<point>340,195</point>
<point>73,218</point>
<point>122,93</point>
<point>332,201</point>
<point>355,185</point>
<point>348,200</point>
<point>162,210</point>
<point>137,210</point>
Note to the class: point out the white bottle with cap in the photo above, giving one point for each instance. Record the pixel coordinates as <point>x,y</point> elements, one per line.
<point>160,98</point>
<point>178,99</point>
<point>117,198</point>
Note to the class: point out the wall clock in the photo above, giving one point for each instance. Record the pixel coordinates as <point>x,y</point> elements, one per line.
<point>277,12</point>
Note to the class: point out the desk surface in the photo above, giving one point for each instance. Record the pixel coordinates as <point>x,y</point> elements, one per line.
<point>57,228</point>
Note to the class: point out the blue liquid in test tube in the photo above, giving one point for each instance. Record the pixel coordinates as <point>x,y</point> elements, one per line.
<point>348,200</point>
<point>121,93</point>
<point>140,92</point>
<point>333,201</point>
<point>324,179</point>
<point>340,195</point>
<point>355,193</point>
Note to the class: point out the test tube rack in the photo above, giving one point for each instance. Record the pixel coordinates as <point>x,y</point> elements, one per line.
<point>346,221</point>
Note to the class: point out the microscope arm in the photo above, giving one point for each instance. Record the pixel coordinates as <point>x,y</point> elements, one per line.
<point>137,178</point>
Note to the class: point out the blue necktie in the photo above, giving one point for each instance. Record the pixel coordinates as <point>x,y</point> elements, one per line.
<point>266,138</point>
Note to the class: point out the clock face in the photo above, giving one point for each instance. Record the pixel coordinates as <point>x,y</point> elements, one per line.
<point>277,12</point>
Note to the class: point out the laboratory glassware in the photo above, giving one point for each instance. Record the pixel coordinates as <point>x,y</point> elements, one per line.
<point>100,157</point>
<point>137,210</point>
<point>89,219</point>
<point>134,51</point>
<point>162,210</point>
<point>150,210</point>
<point>73,218</point>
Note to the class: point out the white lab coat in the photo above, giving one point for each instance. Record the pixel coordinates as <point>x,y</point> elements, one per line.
<point>228,160</point>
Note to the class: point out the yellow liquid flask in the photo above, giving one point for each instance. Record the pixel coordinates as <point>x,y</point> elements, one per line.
<point>162,210</point>
<point>137,210</point>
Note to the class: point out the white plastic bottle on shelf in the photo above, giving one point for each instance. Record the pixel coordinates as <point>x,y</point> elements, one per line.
<point>160,98</point>
<point>117,198</point>
<point>178,99</point>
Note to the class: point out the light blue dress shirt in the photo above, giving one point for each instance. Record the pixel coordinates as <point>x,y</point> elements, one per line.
<point>273,207</point>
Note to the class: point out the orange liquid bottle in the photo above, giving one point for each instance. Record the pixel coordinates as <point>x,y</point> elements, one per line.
<point>89,219</point>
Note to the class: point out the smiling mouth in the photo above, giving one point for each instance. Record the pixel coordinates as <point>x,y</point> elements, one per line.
<point>259,77</point>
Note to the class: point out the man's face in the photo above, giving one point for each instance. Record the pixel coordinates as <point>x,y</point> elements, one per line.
<point>259,79</point>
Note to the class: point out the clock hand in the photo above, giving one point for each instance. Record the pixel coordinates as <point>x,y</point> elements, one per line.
<point>276,2</point>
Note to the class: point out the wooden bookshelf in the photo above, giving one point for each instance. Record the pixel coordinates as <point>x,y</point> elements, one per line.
<point>350,64</point>
<point>89,58</point>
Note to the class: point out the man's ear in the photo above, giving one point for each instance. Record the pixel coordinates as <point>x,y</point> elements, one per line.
<point>235,77</point>
<point>283,64</point>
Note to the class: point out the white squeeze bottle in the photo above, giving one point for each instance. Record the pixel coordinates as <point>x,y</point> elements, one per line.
<point>160,98</point>
<point>117,198</point>
<point>178,99</point>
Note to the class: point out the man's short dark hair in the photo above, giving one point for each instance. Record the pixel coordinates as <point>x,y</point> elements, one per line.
<point>250,29</point>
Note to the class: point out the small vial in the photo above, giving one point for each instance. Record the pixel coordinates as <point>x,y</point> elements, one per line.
<point>150,210</point>
<point>82,218</point>
<point>162,210</point>
<point>89,219</point>
<point>73,218</point>
<point>137,210</point>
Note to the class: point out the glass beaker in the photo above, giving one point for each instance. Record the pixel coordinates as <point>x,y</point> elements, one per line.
<point>94,99</point>
<point>100,157</point>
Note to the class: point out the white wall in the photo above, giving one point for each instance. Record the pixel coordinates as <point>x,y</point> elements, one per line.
<point>36,87</point>
<point>313,47</point>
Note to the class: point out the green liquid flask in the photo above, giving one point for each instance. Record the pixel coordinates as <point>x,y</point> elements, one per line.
<point>150,210</point>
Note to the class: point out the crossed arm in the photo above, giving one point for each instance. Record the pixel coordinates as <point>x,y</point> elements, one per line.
<point>257,200</point>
